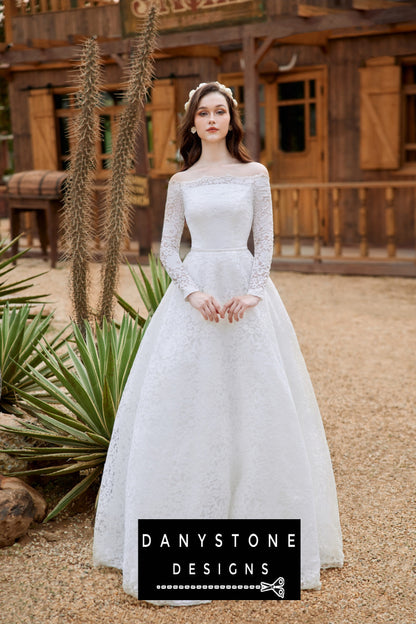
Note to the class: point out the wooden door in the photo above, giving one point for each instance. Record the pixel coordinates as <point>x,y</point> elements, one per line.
<point>297,115</point>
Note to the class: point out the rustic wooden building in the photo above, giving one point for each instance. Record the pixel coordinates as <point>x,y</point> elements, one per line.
<point>327,89</point>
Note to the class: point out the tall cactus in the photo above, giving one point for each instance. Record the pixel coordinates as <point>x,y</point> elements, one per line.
<point>78,231</point>
<point>117,202</point>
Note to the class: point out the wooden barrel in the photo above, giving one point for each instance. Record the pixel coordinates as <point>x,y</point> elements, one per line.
<point>37,183</point>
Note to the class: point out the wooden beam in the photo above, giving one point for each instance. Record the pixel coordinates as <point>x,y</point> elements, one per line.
<point>263,49</point>
<point>251,94</point>
<point>371,5</point>
<point>312,10</point>
<point>119,60</point>
<point>279,27</point>
<point>197,51</point>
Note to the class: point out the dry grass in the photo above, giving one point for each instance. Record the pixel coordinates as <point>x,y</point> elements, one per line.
<point>358,336</point>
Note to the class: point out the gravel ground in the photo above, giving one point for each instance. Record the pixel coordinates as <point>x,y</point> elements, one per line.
<point>358,337</point>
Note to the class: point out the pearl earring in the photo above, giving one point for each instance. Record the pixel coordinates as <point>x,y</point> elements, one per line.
<point>193,129</point>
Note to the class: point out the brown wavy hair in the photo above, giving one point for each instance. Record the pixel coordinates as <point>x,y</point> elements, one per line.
<point>190,144</point>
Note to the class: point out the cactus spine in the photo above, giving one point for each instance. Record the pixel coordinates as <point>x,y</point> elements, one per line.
<point>77,223</point>
<point>117,201</point>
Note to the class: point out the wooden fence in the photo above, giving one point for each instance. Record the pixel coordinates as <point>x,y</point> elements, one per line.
<point>313,246</point>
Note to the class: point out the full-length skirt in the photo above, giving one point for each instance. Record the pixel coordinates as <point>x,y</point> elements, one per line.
<point>218,420</point>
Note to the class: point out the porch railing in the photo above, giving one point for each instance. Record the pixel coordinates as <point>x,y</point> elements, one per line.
<point>338,199</point>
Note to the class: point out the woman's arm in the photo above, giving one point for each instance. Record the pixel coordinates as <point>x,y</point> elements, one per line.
<point>263,250</point>
<point>169,254</point>
<point>262,235</point>
<point>171,237</point>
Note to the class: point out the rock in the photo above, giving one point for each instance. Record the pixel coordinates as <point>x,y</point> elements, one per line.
<point>10,463</point>
<point>19,505</point>
<point>13,483</point>
<point>16,514</point>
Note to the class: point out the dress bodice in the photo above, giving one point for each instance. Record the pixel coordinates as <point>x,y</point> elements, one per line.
<point>220,212</point>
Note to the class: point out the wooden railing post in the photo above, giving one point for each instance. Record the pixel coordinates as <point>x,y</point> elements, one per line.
<point>337,223</point>
<point>296,235</point>
<point>316,228</point>
<point>10,10</point>
<point>390,223</point>
<point>414,220</point>
<point>277,250</point>
<point>362,222</point>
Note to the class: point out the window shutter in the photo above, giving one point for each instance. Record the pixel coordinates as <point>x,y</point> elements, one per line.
<point>42,130</point>
<point>164,128</point>
<point>380,116</point>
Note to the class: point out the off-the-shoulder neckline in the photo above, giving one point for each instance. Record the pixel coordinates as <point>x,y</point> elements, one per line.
<point>221,178</point>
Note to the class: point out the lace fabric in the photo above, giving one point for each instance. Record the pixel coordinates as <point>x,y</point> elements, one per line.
<point>218,420</point>
<point>262,223</point>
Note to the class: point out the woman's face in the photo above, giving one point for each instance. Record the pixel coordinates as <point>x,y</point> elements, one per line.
<point>212,117</point>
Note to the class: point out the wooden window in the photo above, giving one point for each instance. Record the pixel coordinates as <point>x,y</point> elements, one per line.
<point>409,112</point>
<point>42,129</point>
<point>160,127</point>
<point>111,106</point>
<point>380,86</point>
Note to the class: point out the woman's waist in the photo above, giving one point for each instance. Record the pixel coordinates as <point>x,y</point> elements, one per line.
<point>199,249</point>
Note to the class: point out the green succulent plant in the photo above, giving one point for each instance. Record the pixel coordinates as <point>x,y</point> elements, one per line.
<point>20,338</point>
<point>76,415</point>
<point>151,292</point>
<point>11,292</point>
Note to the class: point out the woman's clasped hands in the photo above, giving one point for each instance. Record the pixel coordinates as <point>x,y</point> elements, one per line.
<point>211,310</point>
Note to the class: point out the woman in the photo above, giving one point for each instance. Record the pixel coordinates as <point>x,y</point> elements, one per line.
<point>218,418</point>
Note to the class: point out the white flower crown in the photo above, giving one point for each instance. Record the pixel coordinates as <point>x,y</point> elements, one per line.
<point>221,88</point>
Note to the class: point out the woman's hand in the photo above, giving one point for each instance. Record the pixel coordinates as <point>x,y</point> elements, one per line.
<point>236,306</point>
<point>206,304</point>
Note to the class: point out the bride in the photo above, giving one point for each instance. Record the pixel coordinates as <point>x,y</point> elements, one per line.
<point>218,418</point>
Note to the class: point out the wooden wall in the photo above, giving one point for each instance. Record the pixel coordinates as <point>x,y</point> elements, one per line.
<point>346,56</point>
<point>343,57</point>
<point>61,26</point>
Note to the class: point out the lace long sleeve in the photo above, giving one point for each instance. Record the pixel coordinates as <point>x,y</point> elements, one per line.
<point>171,237</point>
<point>262,235</point>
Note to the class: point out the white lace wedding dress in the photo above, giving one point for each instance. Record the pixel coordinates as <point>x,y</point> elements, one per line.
<point>218,420</point>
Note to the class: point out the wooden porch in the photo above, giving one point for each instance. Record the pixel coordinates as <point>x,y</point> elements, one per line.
<point>328,245</point>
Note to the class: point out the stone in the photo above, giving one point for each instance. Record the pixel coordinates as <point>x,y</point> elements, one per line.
<point>10,463</point>
<point>16,514</point>
<point>20,504</point>
<point>14,483</point>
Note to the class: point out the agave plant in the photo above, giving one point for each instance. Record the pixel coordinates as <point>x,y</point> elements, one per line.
<point>76,417</point>
<point>8,291</point>
<point>151,293</point>
<point>20,337</point>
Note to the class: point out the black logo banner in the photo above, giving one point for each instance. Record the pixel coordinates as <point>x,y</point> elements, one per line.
<point>219,559</point>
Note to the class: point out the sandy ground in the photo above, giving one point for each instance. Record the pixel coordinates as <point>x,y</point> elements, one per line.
<point>358,336</point>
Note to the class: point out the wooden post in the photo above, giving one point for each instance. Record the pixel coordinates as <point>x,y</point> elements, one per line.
<point>390,223</point>
<point>337,223</point>
<point>296,236</point>
<point>10,10</point>
<point>277,249</point>
<point>252,55</point>
<point>251,100</point>
<point>316,233</point>
<point>414,204</point>
<point>362,222</point>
